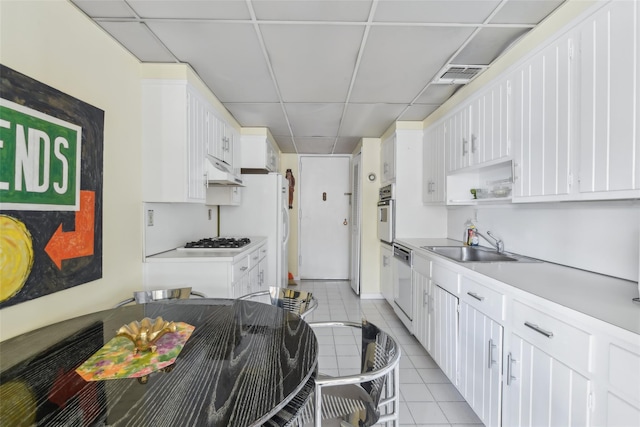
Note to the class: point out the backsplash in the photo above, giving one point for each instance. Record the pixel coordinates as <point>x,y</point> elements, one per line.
<point>596,236</point>
<point>174,224</point>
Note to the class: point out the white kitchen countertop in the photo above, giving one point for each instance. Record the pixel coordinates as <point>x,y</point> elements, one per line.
<point>206,255</point>
<point>602,297</point>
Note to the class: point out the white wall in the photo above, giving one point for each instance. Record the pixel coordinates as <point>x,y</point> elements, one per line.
<point>370,250</point>
<point>54,43</point>
<point>175,224</point>
<point>594,236</point>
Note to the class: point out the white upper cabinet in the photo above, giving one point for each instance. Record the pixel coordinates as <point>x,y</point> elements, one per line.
<point>543,99</point>
<point>222,138</point>
<point>388,160</point>
<point>433,174</point>
<point>259,152</point>
<point>490,116</point>
<point>479,132</point>
<point>174,129</point>
<point>610,102</point>
<point>457,140</point>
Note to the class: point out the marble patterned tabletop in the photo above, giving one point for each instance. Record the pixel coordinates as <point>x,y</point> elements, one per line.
<point>244,361</point>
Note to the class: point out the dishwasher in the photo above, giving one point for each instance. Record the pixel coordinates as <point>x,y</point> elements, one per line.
<point>402,285</point>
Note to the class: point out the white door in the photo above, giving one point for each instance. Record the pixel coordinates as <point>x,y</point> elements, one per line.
<point>355,225</point>
<point>324,217</point>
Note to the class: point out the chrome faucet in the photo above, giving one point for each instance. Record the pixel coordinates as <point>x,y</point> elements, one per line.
<point>496,243</point>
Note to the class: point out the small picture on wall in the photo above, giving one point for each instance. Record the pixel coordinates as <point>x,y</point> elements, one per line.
<point>51,161</point>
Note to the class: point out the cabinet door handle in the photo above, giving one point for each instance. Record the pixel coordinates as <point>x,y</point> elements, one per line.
<point>425,299</point>
<point>476,296</point>
<point>510,362</point>
<point>490,358</point>
<point>474,143</point>
<point>539,330</point>
<point>465,151</point>
<point>243,268</point>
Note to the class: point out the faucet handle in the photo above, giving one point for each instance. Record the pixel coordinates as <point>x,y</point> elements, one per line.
<point>499,242</point>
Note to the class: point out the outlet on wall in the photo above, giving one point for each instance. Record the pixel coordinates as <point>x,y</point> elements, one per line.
<point>150,218</point>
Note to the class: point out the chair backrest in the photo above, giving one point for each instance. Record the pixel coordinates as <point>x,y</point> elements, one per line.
<point>154,295</point>
<point>301,303</point>
<point>298,302</point>
<point>379,377</point>
<point>378,350</point>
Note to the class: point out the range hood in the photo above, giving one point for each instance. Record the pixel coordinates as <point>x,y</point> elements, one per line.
<point>220,173</point>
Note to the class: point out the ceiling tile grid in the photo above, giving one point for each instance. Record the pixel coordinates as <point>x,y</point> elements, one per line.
<point>321,74</point>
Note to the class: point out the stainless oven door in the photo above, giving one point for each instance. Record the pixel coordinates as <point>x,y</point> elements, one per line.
<point>386,222</point>
<point>403,286</point>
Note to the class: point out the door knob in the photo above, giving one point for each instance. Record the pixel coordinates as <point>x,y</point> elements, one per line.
<point>345,222</point>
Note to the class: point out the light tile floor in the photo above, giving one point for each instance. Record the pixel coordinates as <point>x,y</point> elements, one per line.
<point>427,397</point>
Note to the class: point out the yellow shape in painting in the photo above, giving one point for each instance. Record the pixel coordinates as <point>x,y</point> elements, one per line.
<point>17,404</point>
<point>16,256</point>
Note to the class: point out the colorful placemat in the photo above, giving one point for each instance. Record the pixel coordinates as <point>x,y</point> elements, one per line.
<point>116,359</point>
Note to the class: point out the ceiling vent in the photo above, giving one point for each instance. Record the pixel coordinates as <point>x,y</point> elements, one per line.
<point>459,74</point>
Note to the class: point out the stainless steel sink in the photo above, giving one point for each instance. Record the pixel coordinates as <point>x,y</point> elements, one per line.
<point>476,254</point>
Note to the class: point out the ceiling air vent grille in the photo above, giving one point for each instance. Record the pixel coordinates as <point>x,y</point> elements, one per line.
<point>459,74</point>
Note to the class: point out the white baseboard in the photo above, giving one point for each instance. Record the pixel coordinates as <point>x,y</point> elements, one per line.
<point>371,296</point>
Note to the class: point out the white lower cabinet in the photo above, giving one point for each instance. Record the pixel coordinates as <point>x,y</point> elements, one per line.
<point>423,322</point>
<point>386,272</point>
<point>540,390</point>
<point>520,360</point>
<point>445,352</point>
<point>548,362</point>
<point>481,364</point>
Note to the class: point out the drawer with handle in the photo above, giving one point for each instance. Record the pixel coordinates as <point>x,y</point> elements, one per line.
<point>482,298</point>
<point>555,337</point>
<point>254,258</point>
<point>240,268</point>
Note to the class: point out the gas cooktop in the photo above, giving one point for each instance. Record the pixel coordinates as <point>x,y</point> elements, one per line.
<point>218,243</point>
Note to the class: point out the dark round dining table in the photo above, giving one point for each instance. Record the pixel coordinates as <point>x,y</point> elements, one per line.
<point>244,362</point>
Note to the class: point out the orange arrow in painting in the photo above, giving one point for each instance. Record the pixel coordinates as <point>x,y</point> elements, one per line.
<point>74,244</point>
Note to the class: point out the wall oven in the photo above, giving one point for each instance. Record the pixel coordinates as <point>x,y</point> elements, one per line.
<point>386,214</point>
<point>403,286</point>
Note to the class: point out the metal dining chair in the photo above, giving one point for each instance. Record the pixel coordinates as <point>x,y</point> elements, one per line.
<point>299,302</point>
<point>364,399</point>
<point>142,297</point>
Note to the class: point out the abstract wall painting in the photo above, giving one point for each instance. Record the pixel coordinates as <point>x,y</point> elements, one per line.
<point>51,183</point>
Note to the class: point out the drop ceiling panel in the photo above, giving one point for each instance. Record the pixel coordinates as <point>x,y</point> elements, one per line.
<point>432,11</point>
<point>314,119</point>
<point>300,82</point>
<point>418,112</point>
<point>398,62</point>
<point>332,10</point>
<point>260,115</point>
<point>195,9</point>
<point>437,94</point>
<point>487,45</point>
<point>285,143</point>
<point>105,8</point>
<point>346,145</point>
<point>235,71</point>
<point>313,61</point>
<point>315,145</point>
<point>138,40</point>
<point>369,120</point>
<point>525,11</point>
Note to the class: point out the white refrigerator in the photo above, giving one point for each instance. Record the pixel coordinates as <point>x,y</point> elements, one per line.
<point>263,212</point>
